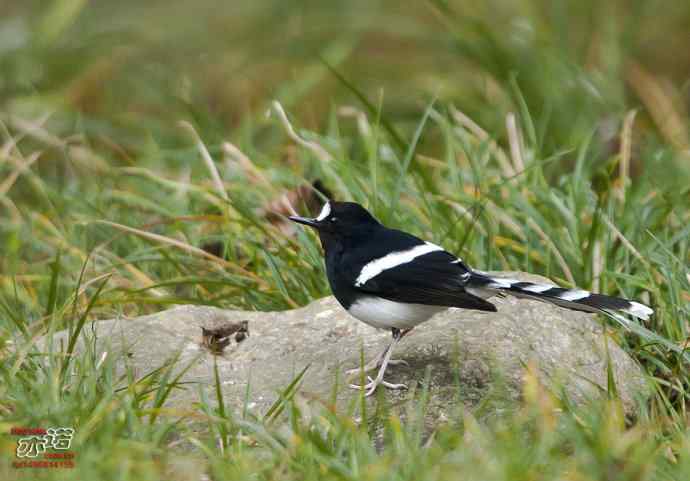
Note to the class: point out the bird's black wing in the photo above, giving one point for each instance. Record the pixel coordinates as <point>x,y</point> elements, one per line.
<point>436,278</point>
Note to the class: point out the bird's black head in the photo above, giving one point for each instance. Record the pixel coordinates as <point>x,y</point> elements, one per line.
<point>339,220</point>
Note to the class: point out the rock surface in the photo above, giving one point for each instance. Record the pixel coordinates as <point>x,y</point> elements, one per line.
<point>466,352</point>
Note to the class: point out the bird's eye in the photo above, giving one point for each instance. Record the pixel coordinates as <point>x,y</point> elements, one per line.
<point>333,219</point>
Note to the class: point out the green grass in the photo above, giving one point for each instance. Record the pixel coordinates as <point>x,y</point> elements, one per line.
<point>550,137</point>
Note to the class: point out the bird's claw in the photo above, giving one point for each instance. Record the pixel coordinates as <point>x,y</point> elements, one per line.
<point>357,370</point>
<point>371,386</point>
<point>371,366</point>
<point>391,385</point>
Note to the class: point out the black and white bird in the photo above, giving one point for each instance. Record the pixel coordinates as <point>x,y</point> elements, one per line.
<point>393,280</point>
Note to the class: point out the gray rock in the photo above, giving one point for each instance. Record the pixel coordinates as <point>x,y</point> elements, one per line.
<point>469,356</point>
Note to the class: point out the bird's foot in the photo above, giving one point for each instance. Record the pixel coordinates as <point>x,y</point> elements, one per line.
<point>371,386</point>
<point>375,364</point>
<point>382,362</point>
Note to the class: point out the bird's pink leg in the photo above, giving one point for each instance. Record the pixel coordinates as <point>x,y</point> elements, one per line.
<point>383,360</point>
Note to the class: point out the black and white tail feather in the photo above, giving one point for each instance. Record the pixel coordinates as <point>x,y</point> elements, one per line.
<point>484,285</point>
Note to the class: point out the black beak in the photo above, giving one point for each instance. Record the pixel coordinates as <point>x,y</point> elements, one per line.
<point>304,220</point>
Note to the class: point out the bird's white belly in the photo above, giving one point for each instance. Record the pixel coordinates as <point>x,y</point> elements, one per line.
<point>385,314</point>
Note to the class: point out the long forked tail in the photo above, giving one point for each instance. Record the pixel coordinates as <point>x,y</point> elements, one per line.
<point>575,299</point>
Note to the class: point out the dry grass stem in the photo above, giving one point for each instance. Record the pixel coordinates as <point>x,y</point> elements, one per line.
<point>515,143</point>
<point>552,247</point>
<point>319,151</point>
<point>208,160</point>
<point>469,124</point>
<point>625,153</point>
<point>185,247</point>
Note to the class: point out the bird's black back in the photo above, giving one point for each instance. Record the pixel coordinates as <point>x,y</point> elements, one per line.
<point>436,278</point>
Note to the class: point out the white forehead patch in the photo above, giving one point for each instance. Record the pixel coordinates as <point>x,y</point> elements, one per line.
<point>325,211</point>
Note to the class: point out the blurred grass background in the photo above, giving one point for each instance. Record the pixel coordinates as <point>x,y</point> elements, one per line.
<point>534,135</point>
<point>125,70</point>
